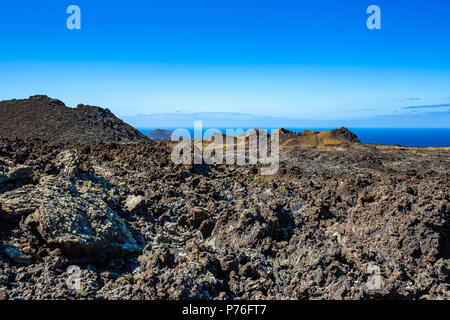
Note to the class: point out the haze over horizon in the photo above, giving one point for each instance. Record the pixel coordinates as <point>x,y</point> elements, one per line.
<point>314,62</point>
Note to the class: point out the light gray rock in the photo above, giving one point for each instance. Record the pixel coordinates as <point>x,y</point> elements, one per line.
<point>134,202</point>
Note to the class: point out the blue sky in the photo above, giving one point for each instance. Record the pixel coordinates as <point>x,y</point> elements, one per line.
<point>312,60</point>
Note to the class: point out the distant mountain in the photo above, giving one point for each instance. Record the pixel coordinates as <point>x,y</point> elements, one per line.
<point>160,134</point>
<point>51,120</point>
<point>312,138</point>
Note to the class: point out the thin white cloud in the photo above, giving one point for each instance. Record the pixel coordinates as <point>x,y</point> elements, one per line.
<point>430,106</point>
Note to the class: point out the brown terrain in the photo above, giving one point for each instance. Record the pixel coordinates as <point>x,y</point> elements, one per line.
<point>141,227</point>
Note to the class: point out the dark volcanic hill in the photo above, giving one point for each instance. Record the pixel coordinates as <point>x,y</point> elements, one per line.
<point>160,134</point>
<point>41,117</point>
<point>344,134</point>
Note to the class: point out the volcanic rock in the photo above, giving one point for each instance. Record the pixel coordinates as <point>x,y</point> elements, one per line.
<point>344,134</point>
<point>134,202</point>
<point>334,211</point>
<point>47,119</point>
<point>16,255</point>
<point>309,138</point>
<point>83,228</point>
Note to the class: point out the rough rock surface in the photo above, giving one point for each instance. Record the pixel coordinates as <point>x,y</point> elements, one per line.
<point>309,138</point>
<point>50,120</point>
<point>312,231</point>
<point>344,134</point>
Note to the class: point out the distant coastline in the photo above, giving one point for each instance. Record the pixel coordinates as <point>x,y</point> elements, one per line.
<point>408,137</point>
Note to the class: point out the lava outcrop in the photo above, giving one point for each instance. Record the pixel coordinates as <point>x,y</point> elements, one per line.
<point>50,120</point>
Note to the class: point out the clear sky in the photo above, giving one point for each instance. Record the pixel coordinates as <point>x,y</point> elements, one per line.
<point>298,59</point>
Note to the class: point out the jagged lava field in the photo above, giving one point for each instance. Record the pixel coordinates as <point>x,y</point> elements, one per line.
<point>80,187</point>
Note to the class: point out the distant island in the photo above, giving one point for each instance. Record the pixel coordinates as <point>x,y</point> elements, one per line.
<point>159,134</point>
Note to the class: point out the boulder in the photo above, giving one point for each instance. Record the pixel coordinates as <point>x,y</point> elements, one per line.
<point>3,177</point>
<point>85,229</point>
<point>17,256</point>
<point>18,173</point>
<point>134,203</point>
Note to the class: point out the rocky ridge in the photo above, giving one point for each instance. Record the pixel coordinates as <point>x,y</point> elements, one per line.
<point>47,119</point>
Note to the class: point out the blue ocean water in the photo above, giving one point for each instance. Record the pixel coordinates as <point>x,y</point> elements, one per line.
<point>411,137</point>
